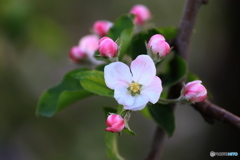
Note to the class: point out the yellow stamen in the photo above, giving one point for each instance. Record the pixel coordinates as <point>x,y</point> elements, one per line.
<point>134,87</point>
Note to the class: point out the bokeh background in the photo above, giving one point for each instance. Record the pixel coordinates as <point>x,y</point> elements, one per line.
<point>35,37</point>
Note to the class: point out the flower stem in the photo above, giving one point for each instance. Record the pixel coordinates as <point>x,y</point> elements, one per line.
<point>180,99</point>
<point>167,101</point>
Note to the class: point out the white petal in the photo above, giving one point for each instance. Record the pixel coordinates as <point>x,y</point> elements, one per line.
<point>143,69</point>
<point>154,90</point>
<point>134,109</point>
<point>117,72</point>
<point>140,102</point>
<point>123,96</point>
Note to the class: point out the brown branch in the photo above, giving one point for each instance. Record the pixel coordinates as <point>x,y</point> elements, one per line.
<point>156,145</point>
<point>186,27</point>
<point>181,44</point>
<point>212,112</point>
<point>209,111</point>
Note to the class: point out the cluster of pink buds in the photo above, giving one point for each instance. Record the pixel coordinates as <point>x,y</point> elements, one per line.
<point>115,123</point>
<point>195,92</point>
<point>89,43</point>
<point>107,47</point>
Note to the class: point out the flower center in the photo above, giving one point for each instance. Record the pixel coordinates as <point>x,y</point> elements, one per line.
<point>134,88</point>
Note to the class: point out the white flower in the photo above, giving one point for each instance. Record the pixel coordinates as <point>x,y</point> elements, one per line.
<point>135,88</point>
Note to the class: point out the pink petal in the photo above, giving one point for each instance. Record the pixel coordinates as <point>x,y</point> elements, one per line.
<point>143,70</point>
<point>193,85</point>
<point>118,127</point>
<point>154,90</point>
<point>89,43</point>
<point>117,73</point>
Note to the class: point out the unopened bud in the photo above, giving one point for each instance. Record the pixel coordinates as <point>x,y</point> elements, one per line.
<point>142,14</point>
<point>76,54</point>
<point>115,123</point>
<point>158,45</point>
<point>194,91</point>
<point>102,27</point>
<point>107,47</point>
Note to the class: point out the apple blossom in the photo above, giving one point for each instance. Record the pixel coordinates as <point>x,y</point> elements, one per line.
<point>194,91</point>
<point>101,27</point>
<point>142,14</point>
<point>134,87</point>
<point>107,47</point>
<point>89,44</point>
<point>115,123</point>
<point>77,54</point>
<point>158,45</point>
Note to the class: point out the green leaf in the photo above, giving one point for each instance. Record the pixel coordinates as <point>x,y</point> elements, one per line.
<point>174,72</point>
<point>168,32</point>
<point>138,46</point>
<point>93,81</point>
<point>125,41</point>
<point>62,95</point>
<point>122,23</point>
<point>112,149</point>
<point>191,77</point>
<point>163,115</point>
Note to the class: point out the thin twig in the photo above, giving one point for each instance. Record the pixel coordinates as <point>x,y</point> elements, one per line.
<point>156,144</point>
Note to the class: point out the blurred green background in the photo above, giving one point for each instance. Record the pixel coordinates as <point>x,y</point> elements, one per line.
<point>35,37</point>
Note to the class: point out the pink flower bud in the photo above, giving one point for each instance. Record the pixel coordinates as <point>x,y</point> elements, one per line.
<point>142,14</point>
<point>101,27</point>
<point>115,123</point>
<point>194,91</point>
<point>89,44</point>
<point>158,45</point>
<point>107,47</point>
<point>76,54</point>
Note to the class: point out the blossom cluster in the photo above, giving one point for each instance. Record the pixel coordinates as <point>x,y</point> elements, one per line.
<point>138,84</point>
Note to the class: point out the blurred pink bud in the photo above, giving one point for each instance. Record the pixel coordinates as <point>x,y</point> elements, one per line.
<point>194,91</point>
<point>76,54</point>
<point>115,123</point>
<point>158,45</point>
<point>107,47</point>
<point>142,14</point>
<point>102,27</point>
<point>89,43</point>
